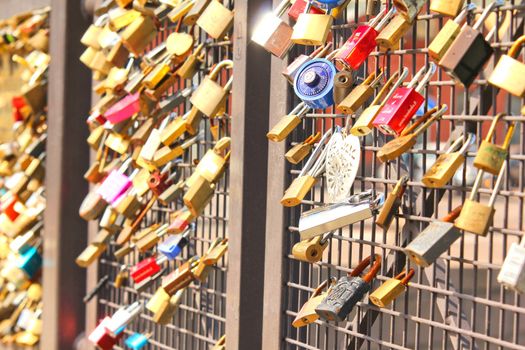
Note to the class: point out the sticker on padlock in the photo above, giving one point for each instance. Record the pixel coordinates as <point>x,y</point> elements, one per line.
<point>392,203</point>
<point>311,250</point>
<point>348,291</point>
<point>307,314</point>
<point>512,273</point>
<point>448,163</point>
<point>312,28</point>
<point>391,289</point>
<point>477,217</point>
<point>490,157</point>
<point>360,94</point>
<point>274,34</point>
<point>508,70</point>
<point>288,123</point>
<point>408,137</point>
<point>209,95</point>
<point>216,20</point>
<point>404,103</point>
<point>298,152</point>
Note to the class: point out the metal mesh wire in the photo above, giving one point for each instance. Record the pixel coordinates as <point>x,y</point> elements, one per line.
<point>457,302</point>
<point>200,319</point>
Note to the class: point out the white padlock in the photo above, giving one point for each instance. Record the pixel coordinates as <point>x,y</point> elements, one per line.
<point>512,274</point>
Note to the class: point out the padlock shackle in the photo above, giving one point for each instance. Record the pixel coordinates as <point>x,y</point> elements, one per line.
<point>463,14</point>
<point>405,276</point>
<point>397,84</point>
<point>325,285</point>
<point>425,118</point>
<point>453,215</point>
<point>399,188</point>
<point>197,50</point>
<point>372,272</point>
<point>222,144</point>
<point>516,47</point>
<point>332,54</point>
<point>486,13</point>
<point>508,135</point>
<point>312,139</point>
<point>431,70</point>
<point>434,117</point>
<point>321,51</point>
<point>372,77</point>
<point>315,154</point>
<point>228,64</point>
<point>385,17</point>
<point>471,138</point>
<point>385,89</point>
<point>497,185</point>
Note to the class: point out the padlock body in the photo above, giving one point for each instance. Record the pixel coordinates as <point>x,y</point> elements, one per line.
<point>188,68</point>
<point>309,250</point>
<point>299,6</point>
<point>144,269</point>
<point>364,124</point>
<point>314,83</point>
<point>388,211</point>
<point>357,48</point>
<point>443,40</point>
<point>274,35</point>
<point>312,29</point>
<point>291,71</point>
<point>466,56</point>
<point>475,217</point>
<point>356,98</point>
<point>443,170</point>
<point>390,36</point>
<point>449,8</point>
<point>508,75</point>
<point>298,189</point>
<point>137,36</point>
<point>199,195</point>
<point>512,273</point>
<point>398,111</point>
<point>211,167</point>
<point>396,147</point>
<point>307,314</point>
<point>208,97</point>
<point>387,292</point>
<point>216,20</point>
<point>433,241</point>
<point>342,298</point>
<point>490,157</point>
<point>283,128</point>
<point>298,152</point>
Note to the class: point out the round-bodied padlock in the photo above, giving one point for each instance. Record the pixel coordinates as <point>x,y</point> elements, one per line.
<point>314,84</point>
<point>327,4</point>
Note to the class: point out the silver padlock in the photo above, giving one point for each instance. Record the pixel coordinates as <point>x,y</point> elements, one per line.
<point>512,273</point>
<point>356,208</point>
<point>124,316</point>
<point>434,240</point>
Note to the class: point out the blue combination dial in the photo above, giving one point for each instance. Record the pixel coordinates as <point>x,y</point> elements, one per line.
<point>314,83</point>
<point>327,4</point>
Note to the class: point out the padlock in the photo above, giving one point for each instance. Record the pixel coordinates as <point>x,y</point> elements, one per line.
<point>288,123</point>
<point>307,314</point>
<point>102,338</point>
<point>404,103</point>
<point>361,43</point>
<point>390,36</point>
<point>173,131</point>
<point>448,163</point>
<point>174,244</point>
<point>490,157</point>
<point>408,137</point>
<point>364,124</point>
<point>137,341</point>
<point>157,74</point>
<point>448,33</point>
<point>146,268</point>
<point>123,109</point>
<point>193,119</point>
<point>137,36</point>
<point>298,152</point>
<point>199,194</point>
<point>151,146</point>
<point>122,317</point>
<point>391,289</point>
<point>188,69</point>
<point>213,164</point>
<point>221,343</point>
<point>179,278</point>
<point>508,69</point>
<point>167,309</point>
<point>215,252</point>
<point>90,36</point>
<point>343,84</point>
<point>179,46</point>
<point>180,9</point>
<point>298,7</point>
<point>117,142</point>
<point>392,204</point>
<point>409,8</point>
<point>120,18</point>
<point>274,34</point>
<point>115,184</point>
<point>298,189</point>
<point>311,28</point>
<point>195,12</point>
<point>360,94</point>
<point>470,51</point>
<point>311,250</point>
<point>512,273</point>
<point>477,217</point>
<point>173,192</point>
<point>348,291</point>
<point>181,222</point>
<point>446,7</point>
<point>291,70</point>
<point>210,95</point>
<point>90,254</point>
<point>434,240</point>
<point>216,20</point>
<point>35,95</point>
<point>92,206</point>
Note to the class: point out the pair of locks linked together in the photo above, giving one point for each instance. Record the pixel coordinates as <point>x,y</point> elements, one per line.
<point>141,144</point>
<point>327,78</point>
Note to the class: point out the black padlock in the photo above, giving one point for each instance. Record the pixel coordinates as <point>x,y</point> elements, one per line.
<point>348,291</point>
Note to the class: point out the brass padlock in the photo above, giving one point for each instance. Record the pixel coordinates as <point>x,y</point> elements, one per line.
<point>93,174</point>
<point>477,217</point>
<point>35,95</point>
<point>409,8</point>
<point>446,7</point>
<point>157,74</point>
<point>288,123</point>
<point>298,152</point>
<point>297,190</point>
<point>210,95</point>
<point>216,251</point>
<point>448,163</point>
<point>391,289</point>
<point>117,142</point>
<point>90,37</point>
<point>274,34</point>
<point>392,204</point>
<point>221,344</point>
<point>506,75</point>
<point>159,297</point>
<point>90,254</point>
<point>311,28</point>
<point>213,164</point>
<point>216,19</point>
<point>179,45</point>
<point>180,9</point>
<point>311,250</point>
<point>96,136</point>
<point>167,310</point>
<point>193,119</point>
<point>137,36</point>
<point>199,194</point>
<point>363,125</point>
<point>195,12</point>
<point>155,94</point>
<point>128,206</point>
<point>391,35</point>
<point>307,314</point>
<point>121,18</point>
<point>490,157</point>
<point>408,137</point>
<point>151,146</point>
<point>360,94</point>
<point>173,131</point>
<point>188,69</point>
<point>180,278</point>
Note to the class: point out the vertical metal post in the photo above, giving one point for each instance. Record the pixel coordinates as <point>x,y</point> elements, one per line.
<point>67,157</point>
<point>248,169</point>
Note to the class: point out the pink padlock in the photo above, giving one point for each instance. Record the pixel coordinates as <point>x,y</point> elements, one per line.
<point>114,186</point>
<point>123,109</point>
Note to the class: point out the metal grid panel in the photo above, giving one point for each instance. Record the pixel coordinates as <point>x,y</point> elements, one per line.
<point>200,319</point>
<point>457,302</point>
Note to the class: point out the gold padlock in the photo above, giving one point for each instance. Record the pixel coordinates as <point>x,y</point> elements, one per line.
<point>477,217</point>
<point>391,35</point>
<point>299,188</point>
<point>360,94</point>
<point>157,74</point>
<point>288,123</point>
<point>490,157</point>
<point>216,19</point>
<point>90,37</point>
<point>210,95</point>
<point>213,164</point>
<point>199,194</point>
<point>173,131</point>
<point>193,119</point>
<point>180,278</point>
<point>508,73</point>
<point>167,310</point>
<point>137,36</point>
<point>221,343</point>
<point>298,152</point>
<point>180,10</point>
<point>179,46</point>
<point>93,174</point>
<point>155,94</point>
<point>216,251</point>
<point>446,7</point>
<point>90,254</point>
<point>307,314</point>
<point>188,69</point>
<point>312,28</point>
<point>391,289</point>
<point>311,250</point>
<point>117,142</point>
<point>35,95</point>
<point>128,206</point>
<point>195,12</point>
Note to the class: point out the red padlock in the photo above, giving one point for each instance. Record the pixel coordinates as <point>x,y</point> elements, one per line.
<point>18,104</point>
<point>298,7</point>
<point>144,269</point>
<point>403,105</point>
<point>158,182</point>
<point>10,206</point>
<point>101,336</point>
<point>361,43</point>
<point>181,222</point>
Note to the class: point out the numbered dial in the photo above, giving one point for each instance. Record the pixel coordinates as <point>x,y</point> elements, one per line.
<point>314,83</point>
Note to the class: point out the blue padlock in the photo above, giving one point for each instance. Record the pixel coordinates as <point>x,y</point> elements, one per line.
<point>172,246</point>
<point>327,4</point>
<point>137,341</point>
<point>30,262</point>
<point>314,83</point>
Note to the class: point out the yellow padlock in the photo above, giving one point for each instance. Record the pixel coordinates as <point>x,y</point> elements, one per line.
<point>307,314</point>
<point>391,289</point>
<point>509,72</point>
<point>216,19</point>
<point>210,95</point>
<point>312,28</point>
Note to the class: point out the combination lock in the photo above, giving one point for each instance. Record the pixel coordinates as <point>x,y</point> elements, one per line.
<point>314,83</point>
